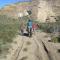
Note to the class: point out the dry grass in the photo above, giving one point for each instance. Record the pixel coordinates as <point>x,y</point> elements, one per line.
<point>28,43</point>
<point>24,58</point>
<point>25,49</point>
<point>8,30</point>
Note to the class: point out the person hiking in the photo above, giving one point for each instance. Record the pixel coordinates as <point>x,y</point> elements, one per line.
<point>29,27</point>
<point>34,27</point>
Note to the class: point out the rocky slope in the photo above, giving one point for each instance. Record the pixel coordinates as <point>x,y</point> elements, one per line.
<point>44,9</point>
<point>13,9</point>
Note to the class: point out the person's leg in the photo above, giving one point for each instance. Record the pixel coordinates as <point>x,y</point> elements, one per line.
<point>30,32</point>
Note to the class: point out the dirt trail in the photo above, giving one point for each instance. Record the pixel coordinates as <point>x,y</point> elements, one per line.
<point>26,48</point>
<point>49,47</point>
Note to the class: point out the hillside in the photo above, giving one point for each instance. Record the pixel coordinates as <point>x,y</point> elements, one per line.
<point>13,9</point>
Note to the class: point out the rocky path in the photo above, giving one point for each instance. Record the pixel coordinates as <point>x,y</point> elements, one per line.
<point>26,48</point>
<point>49,47</point>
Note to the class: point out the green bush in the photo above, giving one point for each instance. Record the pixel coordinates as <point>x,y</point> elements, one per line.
<point>56,39</point>
<point>50,27</point>
<point>8,30</point>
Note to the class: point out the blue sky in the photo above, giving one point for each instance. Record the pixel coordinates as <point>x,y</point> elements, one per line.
<point>5,2</point>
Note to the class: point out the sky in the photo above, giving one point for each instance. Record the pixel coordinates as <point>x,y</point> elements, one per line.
<point>6,2</point>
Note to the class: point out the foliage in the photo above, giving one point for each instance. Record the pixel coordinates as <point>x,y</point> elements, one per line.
<point>29,12</point>
<point>50,27</point>
<point>8,30</point>
<point>56,39</point>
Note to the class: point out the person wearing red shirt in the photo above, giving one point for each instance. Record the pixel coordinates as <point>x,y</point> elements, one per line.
<point>34,26</point>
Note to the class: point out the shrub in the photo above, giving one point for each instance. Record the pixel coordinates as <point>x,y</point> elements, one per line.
<point>8,30</point>
<point>56,39</point>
